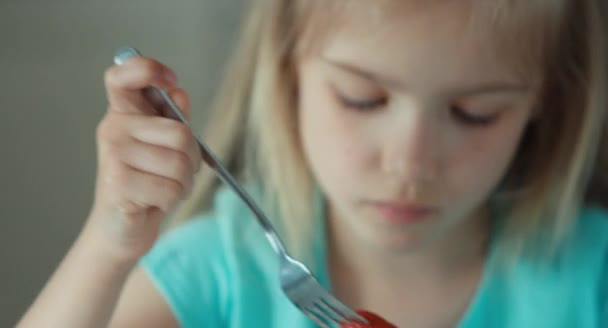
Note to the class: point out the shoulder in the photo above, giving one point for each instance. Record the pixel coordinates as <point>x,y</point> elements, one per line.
<point>589,247</point>
<point>589,238</point>
<point>593,218</point>
<point>580,274</point>
<point>583,246</point>
<point>583,254</point>
<point>568,291</point>
<point>578,280</point>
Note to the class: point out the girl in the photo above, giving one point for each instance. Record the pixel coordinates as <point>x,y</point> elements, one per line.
<point>441,163</point>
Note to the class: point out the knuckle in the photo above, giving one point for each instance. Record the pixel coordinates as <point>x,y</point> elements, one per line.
<point>150,68</point>
<point>173,192</point>
<point>105,128</point>
<point>183,137</point>
<point>181,165</point>
<point>178,134</point>
<point>109,76</point>
<point>113,128</point>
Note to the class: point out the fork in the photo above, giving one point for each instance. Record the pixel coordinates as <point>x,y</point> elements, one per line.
<point>297,282</point>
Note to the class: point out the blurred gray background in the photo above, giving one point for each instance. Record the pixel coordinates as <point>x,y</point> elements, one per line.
<point>52,58</point>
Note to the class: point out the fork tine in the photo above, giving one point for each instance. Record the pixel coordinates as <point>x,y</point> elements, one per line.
<point>313,316</point>
<point>343,310</point>
<point>327,308</point>
<point>320,313</point>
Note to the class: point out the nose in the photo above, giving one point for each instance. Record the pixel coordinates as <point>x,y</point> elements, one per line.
<point>411,148</point>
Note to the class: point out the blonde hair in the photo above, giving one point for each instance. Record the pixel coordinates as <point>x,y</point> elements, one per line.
<point>562,162</point>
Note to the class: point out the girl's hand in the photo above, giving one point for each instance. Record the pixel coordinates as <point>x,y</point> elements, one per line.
<point>146,162</point>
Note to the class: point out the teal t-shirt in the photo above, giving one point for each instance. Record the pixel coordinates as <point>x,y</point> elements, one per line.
<point>218,270</point>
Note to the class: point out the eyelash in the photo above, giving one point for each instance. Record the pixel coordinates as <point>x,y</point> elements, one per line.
<point>458,112</point>
<point>472,120</point>
<point>363,104</point>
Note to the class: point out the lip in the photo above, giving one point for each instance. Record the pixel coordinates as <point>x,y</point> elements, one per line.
<point>403,213</point>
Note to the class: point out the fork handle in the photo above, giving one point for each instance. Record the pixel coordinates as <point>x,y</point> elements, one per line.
<point>226,177</point>
<point>212,161</point>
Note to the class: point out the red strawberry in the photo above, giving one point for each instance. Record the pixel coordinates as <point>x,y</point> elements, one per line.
<point>375,321</point>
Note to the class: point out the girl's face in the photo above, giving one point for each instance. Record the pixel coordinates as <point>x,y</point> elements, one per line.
<point>407,120</point>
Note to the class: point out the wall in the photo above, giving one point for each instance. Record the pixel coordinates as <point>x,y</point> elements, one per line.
<point>52,58</point>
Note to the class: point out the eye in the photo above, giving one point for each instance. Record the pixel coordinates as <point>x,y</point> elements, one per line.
<point>362,103</point>
<point>471,119</point>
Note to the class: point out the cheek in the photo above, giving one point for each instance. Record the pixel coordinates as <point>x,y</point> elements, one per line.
<point>479,166</point>
<point>330,141</point>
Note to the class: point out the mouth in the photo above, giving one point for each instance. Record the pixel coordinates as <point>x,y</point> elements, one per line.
<point>403,213</point>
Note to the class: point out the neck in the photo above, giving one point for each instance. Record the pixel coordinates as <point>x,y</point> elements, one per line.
<point>455,251</point>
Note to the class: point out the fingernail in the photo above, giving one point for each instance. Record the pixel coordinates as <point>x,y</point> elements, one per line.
<point>170,77</point>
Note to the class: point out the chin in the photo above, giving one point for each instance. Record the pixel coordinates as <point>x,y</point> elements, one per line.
<point>388,237</point>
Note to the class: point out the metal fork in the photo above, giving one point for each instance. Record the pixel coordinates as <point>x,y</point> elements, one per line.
<point>297,282</point>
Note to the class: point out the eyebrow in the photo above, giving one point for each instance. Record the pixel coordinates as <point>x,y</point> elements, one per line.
<point>371,76</point>
<point>482,88</point>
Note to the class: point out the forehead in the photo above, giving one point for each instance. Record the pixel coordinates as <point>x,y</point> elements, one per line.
<point>467,32</point>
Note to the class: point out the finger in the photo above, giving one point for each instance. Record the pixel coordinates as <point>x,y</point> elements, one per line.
<point>125,83</point>
<point>160,161</point>
<point>145,189</point>
<point>181,99</point>
<point>168,133</point>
